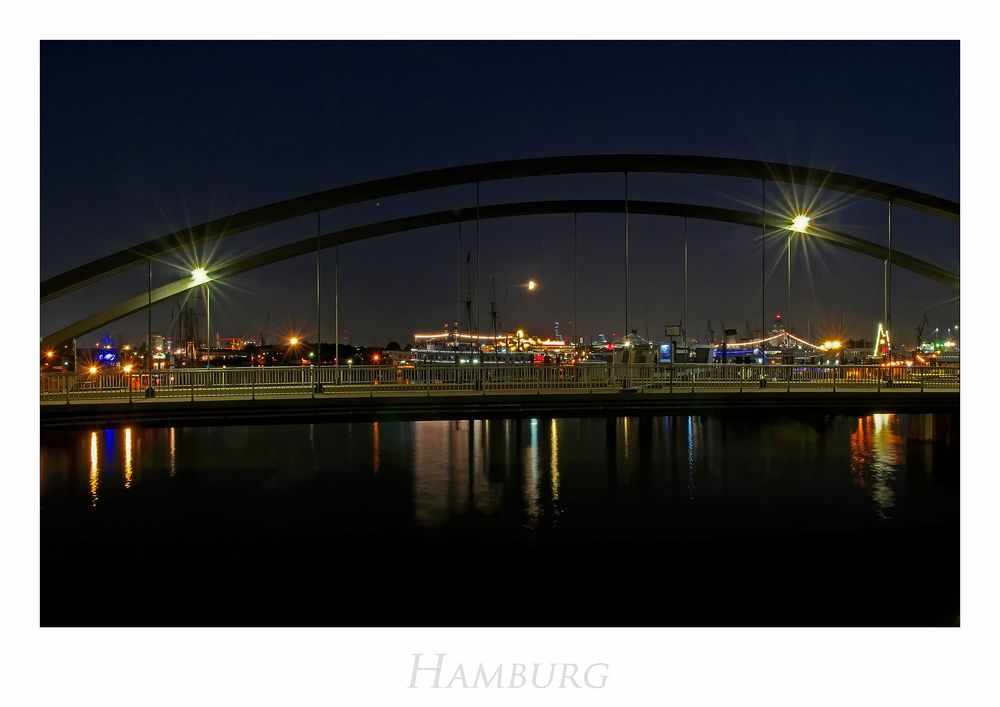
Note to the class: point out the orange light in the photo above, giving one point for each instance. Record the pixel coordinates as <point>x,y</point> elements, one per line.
<point>375,357</point>
<point>93,369</point>
<point>293,341</point>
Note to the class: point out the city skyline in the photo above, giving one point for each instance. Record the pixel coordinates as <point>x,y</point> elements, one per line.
<point>96,196</point>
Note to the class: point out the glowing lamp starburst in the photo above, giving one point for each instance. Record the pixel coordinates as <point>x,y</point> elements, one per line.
<point>800,223</point>
<point>199,275</point>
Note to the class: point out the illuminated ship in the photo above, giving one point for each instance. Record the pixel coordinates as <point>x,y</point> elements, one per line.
<point>453,347</point>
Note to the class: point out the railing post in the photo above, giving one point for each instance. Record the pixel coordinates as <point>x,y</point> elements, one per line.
<point>128,382</point>
<point>192,388</point>
<point>68,375</point>
<point>253,387</point>
<point>788,378</point>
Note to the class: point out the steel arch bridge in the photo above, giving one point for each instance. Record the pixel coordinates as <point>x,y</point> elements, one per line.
<point>277,212</point>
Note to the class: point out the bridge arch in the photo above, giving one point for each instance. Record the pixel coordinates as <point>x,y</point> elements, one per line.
<point>494,211</point>
<point>114,263</point>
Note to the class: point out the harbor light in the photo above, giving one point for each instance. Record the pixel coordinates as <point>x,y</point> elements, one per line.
<point>199,275</point>
<point>92,369</point>
<point>532,284</point>
<point>800,223</point>
<point>293,341</point>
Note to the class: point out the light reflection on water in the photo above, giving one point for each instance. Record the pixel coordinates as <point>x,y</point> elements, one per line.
<point>554,471</point>
<point>690,456</point>
<point>875,459</point>
<point>94,477</point>
<point>531,500</point>
<point>173,451</point>
<point>128,457</point>
<point>525,473</point>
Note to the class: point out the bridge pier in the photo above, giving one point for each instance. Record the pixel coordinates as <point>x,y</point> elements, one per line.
<point>925,427</point>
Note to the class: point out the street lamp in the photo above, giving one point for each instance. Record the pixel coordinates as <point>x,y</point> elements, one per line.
<point>201,277</point>
<point>800,224</point>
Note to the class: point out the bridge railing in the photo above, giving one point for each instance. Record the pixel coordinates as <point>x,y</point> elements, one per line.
<point>484,379</point>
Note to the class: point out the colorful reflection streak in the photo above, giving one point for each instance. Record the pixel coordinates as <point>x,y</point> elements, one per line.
<point>440,463</point>
<point>93,469</point>
<point>173,452</point>
<point>554,440</point>
<point>532,507</point>
<point>874,458</point>
<point>128,457</point>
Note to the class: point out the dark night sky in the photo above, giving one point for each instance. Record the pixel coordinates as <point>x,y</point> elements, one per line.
<point>139,139</point>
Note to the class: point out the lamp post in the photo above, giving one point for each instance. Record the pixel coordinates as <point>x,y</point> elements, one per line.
<point>888,289</point>
<point>800,224</point>
<point>149,332</point>
<point>763,264</point>
<point>200,276</point>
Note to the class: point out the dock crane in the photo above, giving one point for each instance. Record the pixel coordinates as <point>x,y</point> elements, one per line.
<point>920,330</point>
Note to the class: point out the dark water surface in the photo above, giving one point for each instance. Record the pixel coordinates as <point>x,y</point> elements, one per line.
<point>701,520</point>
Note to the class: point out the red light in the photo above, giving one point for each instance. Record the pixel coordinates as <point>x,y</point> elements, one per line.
<point>609,346</point>
<point>777,316</point>
<point>375,357</point>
